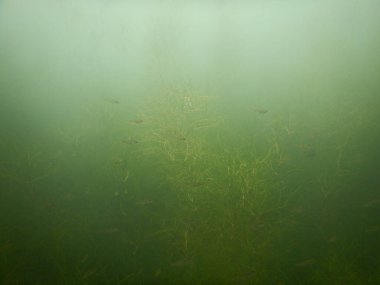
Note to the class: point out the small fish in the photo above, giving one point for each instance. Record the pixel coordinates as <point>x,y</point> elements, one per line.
<point>144,202</point>
<point>372,203</point>
<point>130,141</point>
<point>182,262</point>
<point>136,122</point>
<point>126,176</point>
<point>248,275</point>
<point>332,239</point>
<point>112,101</point>
<point>113,230</point>
<point>88,273</point>
<point>5,247</point>
<point>157,272</point>
<point>260,110</point>
<point>197,183</point>
<point>307,149</point>
<point>118,161</point>
<point>84,258</point>
<point>305,263</point>
<point>298,210</point>
<point>372,229</point>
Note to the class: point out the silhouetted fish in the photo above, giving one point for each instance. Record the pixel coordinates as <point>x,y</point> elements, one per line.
<point>136,122</point>
<point>144,202</point>
<point>372,229</point>
<point>113,230</point>
<point>332,239</point>
<point>260,110</point>
<point>305,263</point>
<point>247,275</point>
<point>112,101</point>
<point>372,203</point>
<point>182,262</point>
<point>5,247</point>
<point>130,141</point>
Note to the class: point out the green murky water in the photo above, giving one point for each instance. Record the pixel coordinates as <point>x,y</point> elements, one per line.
<point>189,142</point>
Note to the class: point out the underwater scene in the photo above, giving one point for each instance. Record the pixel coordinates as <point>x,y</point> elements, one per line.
<point>189,142</point>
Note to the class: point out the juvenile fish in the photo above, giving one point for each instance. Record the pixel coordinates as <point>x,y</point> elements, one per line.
<point>130,141</point>
<point>260,111</point>
<point>136,122</point>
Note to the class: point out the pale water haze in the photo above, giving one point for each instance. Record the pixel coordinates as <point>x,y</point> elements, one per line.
<point>189,142</point>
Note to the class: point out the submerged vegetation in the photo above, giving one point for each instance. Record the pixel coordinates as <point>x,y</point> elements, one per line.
<point>181,195</point>
<point>189,142</point>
